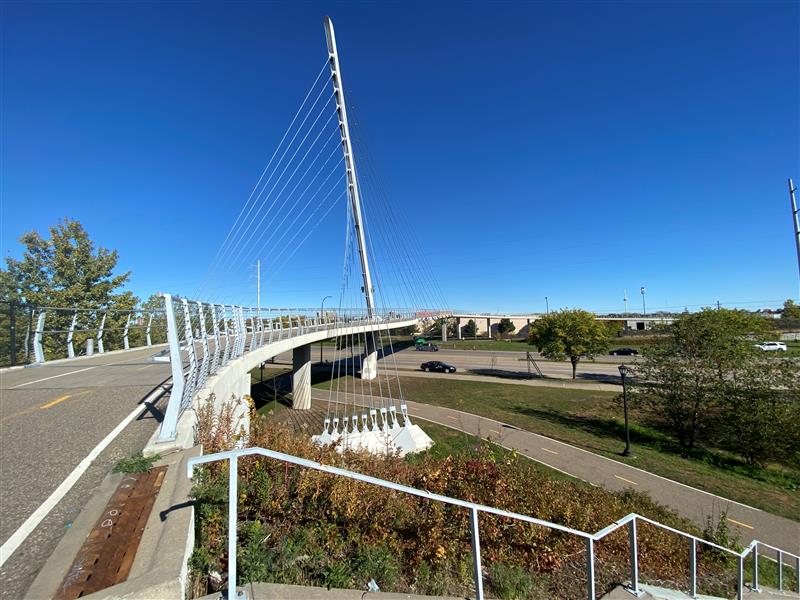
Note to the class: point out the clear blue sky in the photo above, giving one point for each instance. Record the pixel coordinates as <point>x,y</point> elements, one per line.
<point>569,150</point>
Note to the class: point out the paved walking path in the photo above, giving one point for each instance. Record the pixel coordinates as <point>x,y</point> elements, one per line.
<point>690,502</point>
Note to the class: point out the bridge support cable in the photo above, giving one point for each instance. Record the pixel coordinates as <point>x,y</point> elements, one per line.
<point>253,198</point>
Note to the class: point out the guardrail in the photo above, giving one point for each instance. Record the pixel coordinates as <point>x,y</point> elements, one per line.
<point>205,337</point>
<point>631,520</point>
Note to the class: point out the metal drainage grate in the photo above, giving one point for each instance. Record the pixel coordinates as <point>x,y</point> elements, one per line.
<point>106,556</point>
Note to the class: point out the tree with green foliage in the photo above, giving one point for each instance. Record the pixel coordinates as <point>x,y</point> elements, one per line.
<point>470,330</point>
<point>791,310</point>
<point>572,334</point>
<point>683,377</point>
<point>436,327</point>
<point>759,418</point>
<point>505,326</point>
<point>65,270</point>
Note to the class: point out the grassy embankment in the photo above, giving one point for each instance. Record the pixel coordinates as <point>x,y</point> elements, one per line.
<point>303,527</point>
<point>593,420</point>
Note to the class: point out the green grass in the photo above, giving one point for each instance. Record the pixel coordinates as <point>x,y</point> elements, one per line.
<point>592,420</point>
<point>452,442</point>
<point>136,463</point>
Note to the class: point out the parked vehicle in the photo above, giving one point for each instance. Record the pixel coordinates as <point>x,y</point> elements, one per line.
<point>427,347</point>
<point>624,352</point>
<point>772,346</point>
<point>437,366</point>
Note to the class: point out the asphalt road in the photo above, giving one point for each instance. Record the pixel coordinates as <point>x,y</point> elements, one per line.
<point>692,503</point>
<point>51,417</point>
<point>484,362</point>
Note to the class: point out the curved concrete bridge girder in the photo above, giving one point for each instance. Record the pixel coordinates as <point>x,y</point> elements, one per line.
<point>232,381</point>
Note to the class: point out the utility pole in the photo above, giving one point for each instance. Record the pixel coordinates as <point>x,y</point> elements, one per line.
<point>795,220</point>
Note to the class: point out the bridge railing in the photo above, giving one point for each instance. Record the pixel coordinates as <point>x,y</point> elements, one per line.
<point>204,337</point>
<point>590,539</point>
<point>43,333</point>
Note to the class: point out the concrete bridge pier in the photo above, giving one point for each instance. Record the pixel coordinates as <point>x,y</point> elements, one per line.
<point>301,377</point>
<point>369,362</point>
<point>489,328</point>
<point>458,327</point>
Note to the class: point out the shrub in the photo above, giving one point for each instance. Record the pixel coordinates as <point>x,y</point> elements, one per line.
<point>300,526</point>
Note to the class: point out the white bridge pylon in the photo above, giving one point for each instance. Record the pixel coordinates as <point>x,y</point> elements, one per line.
<point>379,430</point>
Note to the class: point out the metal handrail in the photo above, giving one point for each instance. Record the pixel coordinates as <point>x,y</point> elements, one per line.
<point>232,456</point>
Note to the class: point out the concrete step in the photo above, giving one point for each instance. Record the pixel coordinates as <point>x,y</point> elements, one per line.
<point>652,592</point>
<point>766,593</point>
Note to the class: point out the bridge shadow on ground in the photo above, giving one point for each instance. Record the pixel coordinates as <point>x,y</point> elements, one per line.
<point>504,374</point>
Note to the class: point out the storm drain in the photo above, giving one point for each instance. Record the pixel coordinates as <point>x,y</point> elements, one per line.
<point>106,556</point>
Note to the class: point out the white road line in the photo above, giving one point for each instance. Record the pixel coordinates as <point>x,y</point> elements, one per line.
<point>74,372</point>
<point>19,536</point>
<point>52,377</point>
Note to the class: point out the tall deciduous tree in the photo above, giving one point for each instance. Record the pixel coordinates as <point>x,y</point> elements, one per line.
<point>684,378</point>
<point>572,334</point>
<point>470,330</point>
<point>65,270</point>
<point>791,310</point>
<point>505,326</point>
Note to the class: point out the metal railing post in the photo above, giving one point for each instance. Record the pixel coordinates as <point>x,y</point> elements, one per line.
<point>740,578</point>
<point>147,331</point>
<point>170,422</point>
<point>188,333</point>
<point>590,593</point>
<point>693,567</point>
<point>125,343</point>
<point>215,358</point>
<point>780,571</point>
<point>70,335</point>
<point>233,497</point>
<point>634,557</point>
<point>797,572</point>
<point>206,362</point>
<point>100,348</point>
<point>226,352</point>
<point>476,553</point>
<point>38,348</point>
<point>755,568</point>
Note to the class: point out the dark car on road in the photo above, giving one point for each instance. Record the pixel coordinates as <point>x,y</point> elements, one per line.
<point>624,352</point>
<point>427,347</point>
<point>437,366</point>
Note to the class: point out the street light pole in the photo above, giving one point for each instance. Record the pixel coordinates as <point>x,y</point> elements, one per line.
<point>644,309</point>
<point>321,313</point>
<point>547,305</point>
<point>623,371</point>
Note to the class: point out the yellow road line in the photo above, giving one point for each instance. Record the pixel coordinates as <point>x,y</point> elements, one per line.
<point>494,431</point>
<point>60,399</point>
<point>626,480</point>
<point>56,401</point>
<point>739,523</point>
<point>452,417</point>
<point>550,451</point>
